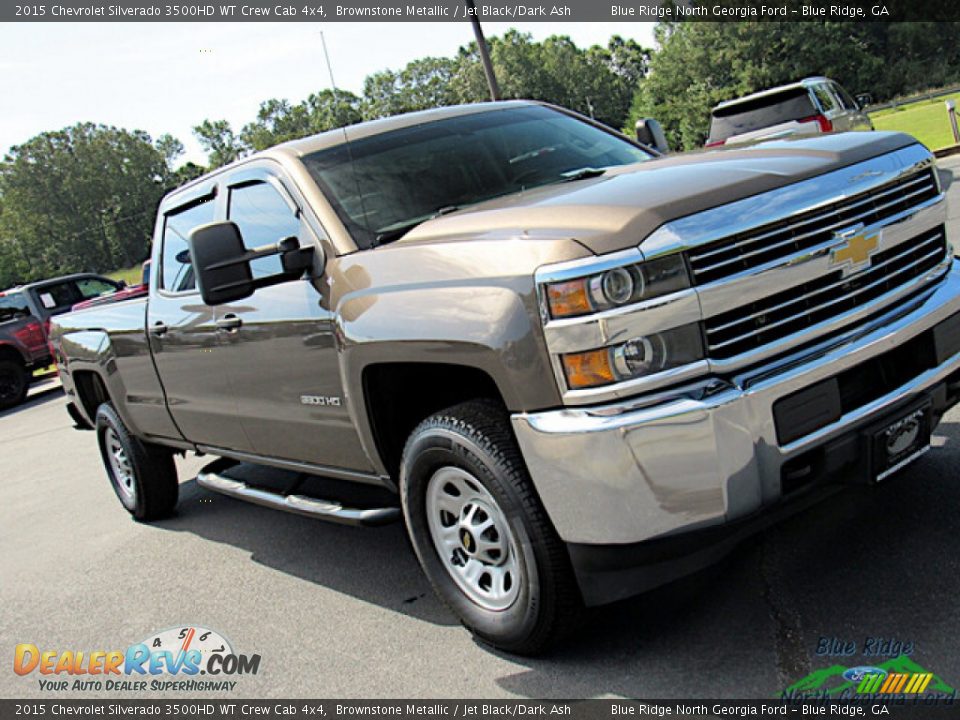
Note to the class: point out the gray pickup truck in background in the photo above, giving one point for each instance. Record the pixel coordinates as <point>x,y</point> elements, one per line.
<point>575,369</point>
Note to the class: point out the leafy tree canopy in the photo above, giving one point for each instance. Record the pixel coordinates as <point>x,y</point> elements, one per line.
<point>81,198</point>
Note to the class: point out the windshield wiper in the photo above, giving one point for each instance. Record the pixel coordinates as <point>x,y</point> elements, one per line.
<point>582,174</point>
<point>397,231</point>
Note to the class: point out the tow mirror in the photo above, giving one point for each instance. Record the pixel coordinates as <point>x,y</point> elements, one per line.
<point>222,263</point>
<point>651,134</point>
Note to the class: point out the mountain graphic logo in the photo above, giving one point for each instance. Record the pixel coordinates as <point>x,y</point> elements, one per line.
<point>900,675</point>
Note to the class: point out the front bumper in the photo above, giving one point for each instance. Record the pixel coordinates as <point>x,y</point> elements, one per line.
<point>709,455</point>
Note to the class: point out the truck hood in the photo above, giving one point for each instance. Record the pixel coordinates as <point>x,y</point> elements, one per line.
<point>625,205</point>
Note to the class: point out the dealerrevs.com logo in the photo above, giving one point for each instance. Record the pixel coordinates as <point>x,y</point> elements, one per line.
<point>189,658</point>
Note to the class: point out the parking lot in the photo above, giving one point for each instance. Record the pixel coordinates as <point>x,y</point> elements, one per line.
<point>340,612</point>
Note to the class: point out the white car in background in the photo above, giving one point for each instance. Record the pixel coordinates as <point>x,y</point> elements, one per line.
<point>808,107</point>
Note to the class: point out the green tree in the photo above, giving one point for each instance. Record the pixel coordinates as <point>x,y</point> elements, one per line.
<point>423,84</point>
<point>219,141</point>
<point>598,81</point>
<point>81,198</point>
<point>279,121</point>
<point>171,149</point>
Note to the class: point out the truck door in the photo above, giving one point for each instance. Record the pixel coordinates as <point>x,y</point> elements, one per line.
<point>281,349</point>
<point>183,337</point>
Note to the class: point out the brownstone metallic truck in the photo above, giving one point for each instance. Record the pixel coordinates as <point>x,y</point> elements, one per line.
<point>576,369</point>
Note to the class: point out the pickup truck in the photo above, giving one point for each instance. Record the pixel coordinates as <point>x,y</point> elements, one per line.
<point>23,349</point>
<point>45,298</point>
<point>575,369</point>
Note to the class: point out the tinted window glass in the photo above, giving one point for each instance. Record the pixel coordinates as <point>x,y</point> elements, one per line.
<point>93,287</point>
<point>176,272</point>
<point>384,184</point>
<point>824,98</point>
<point>762,112</point>
<point>264,218</point>
<point>58,298</point>
<point>848,102</point>
<point>13,306</point>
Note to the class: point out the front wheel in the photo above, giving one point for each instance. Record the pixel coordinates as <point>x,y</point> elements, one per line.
<point>480,532</point>
<point>143,475</point>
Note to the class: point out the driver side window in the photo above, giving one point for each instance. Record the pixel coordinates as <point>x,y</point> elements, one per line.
<point>264,218</point>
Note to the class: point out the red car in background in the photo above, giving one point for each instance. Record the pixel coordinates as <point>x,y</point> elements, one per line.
<point>131,291</point>
<point>23,349</point>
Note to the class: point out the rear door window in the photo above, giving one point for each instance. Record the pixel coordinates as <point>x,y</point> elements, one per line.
<point>176,272</point>
<point>844,97</point>
<point>758,113</point>
<point>826,99</point>
<point>59,297</point>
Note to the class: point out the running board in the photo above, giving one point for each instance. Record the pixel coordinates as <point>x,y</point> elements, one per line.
<point>210,477</point>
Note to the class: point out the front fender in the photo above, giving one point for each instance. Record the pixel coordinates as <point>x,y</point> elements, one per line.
<point>493,329</point>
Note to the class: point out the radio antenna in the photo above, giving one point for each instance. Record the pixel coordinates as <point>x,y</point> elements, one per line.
<point>343,128</point>
<point>326,56</point>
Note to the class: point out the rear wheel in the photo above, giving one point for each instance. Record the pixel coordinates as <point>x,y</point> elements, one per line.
<point>14,383</point>
<point>480,532</point>
<point>143,475</point>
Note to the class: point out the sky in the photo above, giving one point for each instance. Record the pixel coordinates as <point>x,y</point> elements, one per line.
<point>168,77</point>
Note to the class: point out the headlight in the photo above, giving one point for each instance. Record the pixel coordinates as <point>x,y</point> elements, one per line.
<point>641,356</point>
<point>618,286</point>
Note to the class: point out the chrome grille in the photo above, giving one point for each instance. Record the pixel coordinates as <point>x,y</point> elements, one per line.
<point>756,324</point>
<point>782,239</point>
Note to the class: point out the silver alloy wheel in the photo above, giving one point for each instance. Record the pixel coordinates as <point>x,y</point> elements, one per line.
<point>120,464</point>
<point>473,539</point>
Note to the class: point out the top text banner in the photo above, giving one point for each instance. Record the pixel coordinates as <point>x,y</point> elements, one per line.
<point>484,10</point>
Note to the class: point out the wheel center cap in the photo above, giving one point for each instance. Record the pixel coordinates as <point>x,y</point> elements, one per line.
<point>466,539</point>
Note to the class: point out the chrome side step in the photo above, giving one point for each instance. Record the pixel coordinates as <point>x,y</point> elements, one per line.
<point>210,477</point>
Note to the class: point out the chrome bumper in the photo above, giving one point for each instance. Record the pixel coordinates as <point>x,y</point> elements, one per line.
<point>659,465</point>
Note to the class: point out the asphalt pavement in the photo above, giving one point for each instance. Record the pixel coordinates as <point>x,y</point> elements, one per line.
<point>340,612</point>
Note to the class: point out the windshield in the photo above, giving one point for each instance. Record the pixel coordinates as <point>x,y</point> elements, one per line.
<point>382,186</point>
<point>13,305</point>
<point>765,111</point>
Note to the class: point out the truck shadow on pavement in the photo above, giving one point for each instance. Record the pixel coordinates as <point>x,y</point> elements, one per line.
<point>376,565</point>
<point>868,562</point>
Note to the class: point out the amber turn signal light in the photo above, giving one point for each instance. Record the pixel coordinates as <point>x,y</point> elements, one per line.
<point>588,369</point>
<point>567,299</point>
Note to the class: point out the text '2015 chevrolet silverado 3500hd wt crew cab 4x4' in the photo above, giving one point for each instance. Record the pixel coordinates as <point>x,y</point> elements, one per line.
<point>575,369</point>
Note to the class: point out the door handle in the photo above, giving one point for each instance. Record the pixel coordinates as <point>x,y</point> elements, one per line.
<point>229,322</point>
<point>159,328</point>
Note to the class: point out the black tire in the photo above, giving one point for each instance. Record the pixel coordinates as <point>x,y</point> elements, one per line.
<point>14,383</point>
<point>151,488</point>
<point>475,437</point>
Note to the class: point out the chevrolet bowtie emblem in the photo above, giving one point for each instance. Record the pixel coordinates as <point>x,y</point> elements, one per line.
<point>855,252</point>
